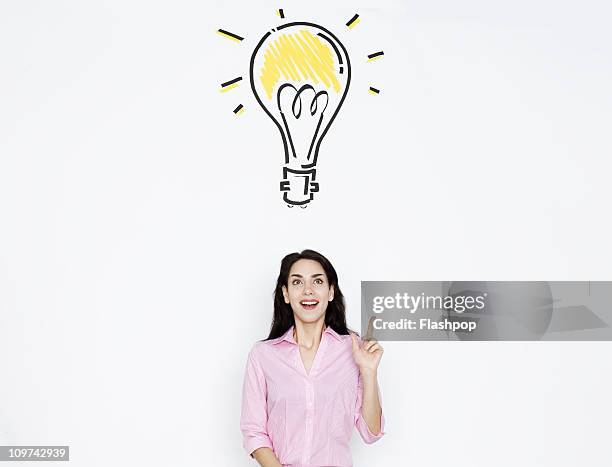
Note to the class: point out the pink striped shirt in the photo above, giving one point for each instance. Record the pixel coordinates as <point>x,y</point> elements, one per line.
<point>306,419</point>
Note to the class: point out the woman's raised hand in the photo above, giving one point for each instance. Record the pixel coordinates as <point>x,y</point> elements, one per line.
<point>368,355</point>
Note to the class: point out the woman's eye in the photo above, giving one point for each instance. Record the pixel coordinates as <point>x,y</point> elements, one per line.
<point>296,282</point>
<point>318,281</point>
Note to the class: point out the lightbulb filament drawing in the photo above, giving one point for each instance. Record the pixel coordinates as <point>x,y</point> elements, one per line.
<point>300,74</point>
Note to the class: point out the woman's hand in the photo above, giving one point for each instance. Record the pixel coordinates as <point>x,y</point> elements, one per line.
<point>266,457</point>
<point>367,357</point>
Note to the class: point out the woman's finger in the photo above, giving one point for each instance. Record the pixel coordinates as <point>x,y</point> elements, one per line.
<point>374,348</point>
<point>369,344</point>
<point>354,342</point>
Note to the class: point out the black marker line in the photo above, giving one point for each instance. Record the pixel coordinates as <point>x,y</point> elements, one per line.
<point>238,109</point>
<point>227,83</point>
<point>352,20</point>
<point>227,33</point>
<point>281,13</point>
<point>333,45</point>
<point>377,91</point>
<point>314,138</point>
<point>376,54</point>
<point>289,135</point>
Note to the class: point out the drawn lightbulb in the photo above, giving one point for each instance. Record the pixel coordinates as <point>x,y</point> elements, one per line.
<point>300,74</point>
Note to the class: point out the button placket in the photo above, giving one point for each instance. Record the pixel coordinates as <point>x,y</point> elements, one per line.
<point>309,420</point>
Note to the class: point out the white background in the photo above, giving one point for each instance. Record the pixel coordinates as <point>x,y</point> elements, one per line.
<point>141,224</point>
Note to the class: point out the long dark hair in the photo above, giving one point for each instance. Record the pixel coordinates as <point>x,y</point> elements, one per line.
<point>283,314</point>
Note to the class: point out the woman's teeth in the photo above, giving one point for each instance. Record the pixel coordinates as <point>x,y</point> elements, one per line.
<point>309,304</point>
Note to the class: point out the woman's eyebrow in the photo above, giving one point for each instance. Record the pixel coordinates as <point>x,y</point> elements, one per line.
<point>301,277</point>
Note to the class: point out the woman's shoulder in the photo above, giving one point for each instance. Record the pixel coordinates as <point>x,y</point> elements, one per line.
<point>260,348</point>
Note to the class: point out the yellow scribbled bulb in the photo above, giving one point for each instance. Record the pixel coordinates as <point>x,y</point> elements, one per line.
<point>298,56</point>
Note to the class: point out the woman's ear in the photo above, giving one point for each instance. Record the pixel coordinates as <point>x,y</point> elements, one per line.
<point>331,293</point>
<point>286,295</point>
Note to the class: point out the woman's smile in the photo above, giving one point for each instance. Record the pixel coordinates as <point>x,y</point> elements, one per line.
<point>309,304</point>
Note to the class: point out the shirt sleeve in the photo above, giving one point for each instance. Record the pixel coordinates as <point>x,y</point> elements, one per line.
<point>360,423</point>
<point>254,416</point>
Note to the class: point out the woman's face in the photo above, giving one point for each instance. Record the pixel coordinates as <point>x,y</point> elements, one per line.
<point>308,290</point>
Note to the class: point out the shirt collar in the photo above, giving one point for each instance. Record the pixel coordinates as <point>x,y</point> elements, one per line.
<point>288,336</point>
<point>329,330</point>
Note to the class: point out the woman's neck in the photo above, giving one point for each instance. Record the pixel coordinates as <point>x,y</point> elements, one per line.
<point>308,335</point>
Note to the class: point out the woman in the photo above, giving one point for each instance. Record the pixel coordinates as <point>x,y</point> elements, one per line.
<point>311,381</point>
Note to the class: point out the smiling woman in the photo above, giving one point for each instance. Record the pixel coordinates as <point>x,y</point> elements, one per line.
<point>312,380</point>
